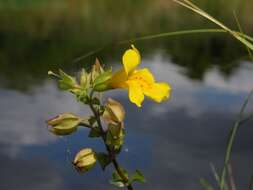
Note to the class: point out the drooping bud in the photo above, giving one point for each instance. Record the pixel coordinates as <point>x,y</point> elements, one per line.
<point>64,124</point>
<point>114,112</point>
<point>85,160</point>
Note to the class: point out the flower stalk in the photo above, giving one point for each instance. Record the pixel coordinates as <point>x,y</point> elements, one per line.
<point>86,88</point>
<point>109,150</point>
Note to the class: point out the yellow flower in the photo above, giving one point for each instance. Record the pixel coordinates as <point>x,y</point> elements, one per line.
<point>139,82</point>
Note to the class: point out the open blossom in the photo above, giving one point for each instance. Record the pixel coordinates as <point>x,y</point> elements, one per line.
<point>138,82</point>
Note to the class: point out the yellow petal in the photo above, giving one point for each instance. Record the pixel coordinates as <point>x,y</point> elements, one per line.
<point>118,80</point>
<point>144,75</point>
<point>135,93</point>
<point>158,92</point>
<point>131,59</point>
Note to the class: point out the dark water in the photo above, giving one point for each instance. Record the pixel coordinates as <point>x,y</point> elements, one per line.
<point>172,143</point>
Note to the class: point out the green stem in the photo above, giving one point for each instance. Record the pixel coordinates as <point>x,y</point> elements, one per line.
<point>162,35</point>
<point>110,152</point>
<point>249,117</point>
<point>196,9</point>
<point>251,184</point>
<point>232,139</point>
<point>176,33</point>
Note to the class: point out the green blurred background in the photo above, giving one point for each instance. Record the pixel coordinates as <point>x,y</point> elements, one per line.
<point>36,36</point>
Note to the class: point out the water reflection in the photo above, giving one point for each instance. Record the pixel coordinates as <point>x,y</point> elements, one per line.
<point>173,143</point>
<point>28,174</point>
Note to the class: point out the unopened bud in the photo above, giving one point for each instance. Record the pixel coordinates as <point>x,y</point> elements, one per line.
<point>114,112</point>
<point>85,160</point>
<point>96,70</point>
<point>102,87</point>
<point>101,80</point>
<point>64,124</point>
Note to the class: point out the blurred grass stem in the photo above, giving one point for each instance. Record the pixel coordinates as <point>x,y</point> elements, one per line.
<point>232,139</point>
<point>189,5</point>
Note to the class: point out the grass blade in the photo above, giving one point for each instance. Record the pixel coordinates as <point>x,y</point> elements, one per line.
<point>231,140</point>
<point>205,184</point>
<point>170,34</point>
<point>251,184</point>
<point>217,177</point>
<point>148,37</point>
<point>241,31</point>
<point>196,9</point>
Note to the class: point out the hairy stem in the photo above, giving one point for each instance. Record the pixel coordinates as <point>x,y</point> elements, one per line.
<point>110,152</point>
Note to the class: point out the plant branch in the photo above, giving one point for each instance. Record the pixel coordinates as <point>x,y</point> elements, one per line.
<point>110,152</point>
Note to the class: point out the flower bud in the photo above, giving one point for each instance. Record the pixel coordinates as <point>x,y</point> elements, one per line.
<point>85,160</point>
<point>101,82</point>
<point>84,79</point>
<point>64,124</point>
<point>114,112</point>
<point>102,87</point>
<point>96,70</point>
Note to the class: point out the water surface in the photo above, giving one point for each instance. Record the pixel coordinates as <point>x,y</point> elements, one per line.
<point>172,143</point>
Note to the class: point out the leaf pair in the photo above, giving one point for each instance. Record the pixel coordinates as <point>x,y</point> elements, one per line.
<point>119,182</point>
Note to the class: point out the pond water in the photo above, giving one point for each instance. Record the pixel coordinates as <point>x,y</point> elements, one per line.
<point>172,143</point>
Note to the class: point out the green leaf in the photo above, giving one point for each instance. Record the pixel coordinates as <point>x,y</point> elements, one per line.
<point>82,96</point>
<point>66,82</point>
<point>104,160</point>
<point>103,77</point>
<point>92,120</point>
<point>115,176</point>
<point>101,84</point>
<point>102,87</point>
<point>95,101</point>
<point>116,179</point>
<point>138,176</point>
<point>95,132</point>
<point>115,135</point>
<point>101,110</point>
<point>117,183</point>
<point>84,79</point>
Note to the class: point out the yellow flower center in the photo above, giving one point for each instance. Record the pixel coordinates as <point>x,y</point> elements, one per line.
<point>143,83</point>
